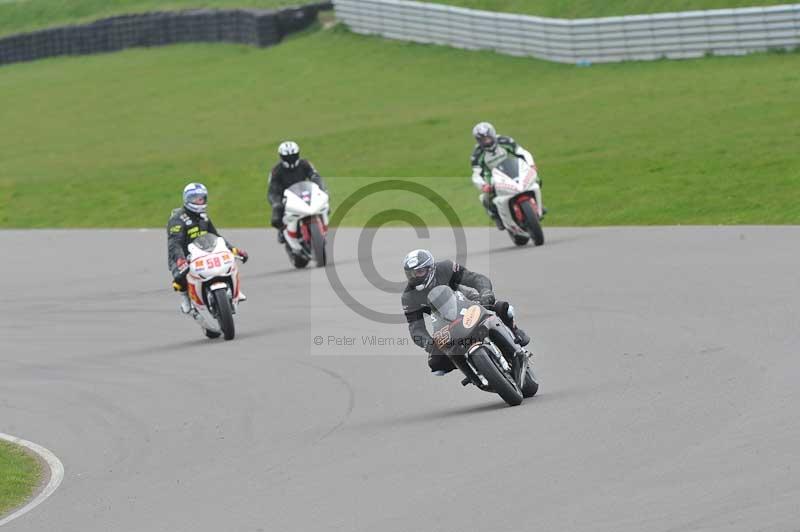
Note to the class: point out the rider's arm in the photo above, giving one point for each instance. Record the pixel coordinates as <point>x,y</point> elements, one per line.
<point>525,154</point>
<point>418,330</point>
<point>477,168</point>
<point>313,175</point>
<point>176,240</point>
<point>415,316</point>
<point>213,230</point>
<point>477,177</point>
<point>274,190</point>
<point>514,148</point>
<point>475,280</point>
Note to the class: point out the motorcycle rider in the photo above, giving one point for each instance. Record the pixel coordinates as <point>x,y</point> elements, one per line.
<point>491,150</point>
<point>423,274</point>
<point>290,169</point>
<point>185,225</point>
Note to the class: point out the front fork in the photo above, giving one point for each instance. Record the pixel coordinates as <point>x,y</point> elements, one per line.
<point>503,337</point>
<point>462,362</point>
<point>537,192</point>
<point>301,234</point>
<point>513,355</point>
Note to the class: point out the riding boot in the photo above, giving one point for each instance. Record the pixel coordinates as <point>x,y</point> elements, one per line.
<point>522,337</point>
<point>518,365</point>
<point>491,210</point>
<point>498,222</point>
<point>186,305</point>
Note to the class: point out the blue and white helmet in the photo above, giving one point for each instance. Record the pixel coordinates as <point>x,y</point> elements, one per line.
<point>195,197</point>
<point>290,154</point>
<point>419,268</point>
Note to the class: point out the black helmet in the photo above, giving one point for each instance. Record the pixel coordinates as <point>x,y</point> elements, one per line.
<point>419,268</point>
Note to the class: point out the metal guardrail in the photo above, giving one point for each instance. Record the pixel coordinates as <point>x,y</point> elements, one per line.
<point>601,40</point>
<point>246,26</point>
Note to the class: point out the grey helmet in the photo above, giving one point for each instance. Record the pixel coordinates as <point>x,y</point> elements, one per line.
<point>419,268</point>
<point>290,154</point>
<point>486,135</point>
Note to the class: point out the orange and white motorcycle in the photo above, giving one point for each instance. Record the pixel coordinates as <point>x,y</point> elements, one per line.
<point>213,285</point>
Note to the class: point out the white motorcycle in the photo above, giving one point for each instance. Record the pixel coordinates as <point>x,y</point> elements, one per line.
<point>306,223</point>
<point>518,200</point>
<point>213,285</point>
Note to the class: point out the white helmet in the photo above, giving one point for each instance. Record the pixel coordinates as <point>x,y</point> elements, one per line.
<point>290,154</point>
<point>485,134</point>
<point>195,197</point>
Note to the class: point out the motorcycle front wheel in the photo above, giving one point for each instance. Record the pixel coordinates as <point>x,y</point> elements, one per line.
<point>499,380</point>
<point>532,223</point>
<point>317,243</point>
<point>224,313</point>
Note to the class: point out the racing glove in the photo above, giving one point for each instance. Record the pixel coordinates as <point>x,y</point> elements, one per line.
<point>182,267</point>
<point>487,298</point>
<point>277,216</point>
<point>242,254</point>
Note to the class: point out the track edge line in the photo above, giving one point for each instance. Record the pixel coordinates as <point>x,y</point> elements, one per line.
<point>56,476</point>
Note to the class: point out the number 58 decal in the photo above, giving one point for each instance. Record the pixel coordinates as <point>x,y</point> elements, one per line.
<point>211,262</point>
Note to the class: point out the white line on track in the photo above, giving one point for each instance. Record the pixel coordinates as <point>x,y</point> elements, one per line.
<point>56,475</point>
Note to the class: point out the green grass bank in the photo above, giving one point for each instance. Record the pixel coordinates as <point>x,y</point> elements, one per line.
<point>19,476</point>
<point>110,140</point>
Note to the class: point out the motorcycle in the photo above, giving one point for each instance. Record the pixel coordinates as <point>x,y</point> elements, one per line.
<point>481,346</point>
<point>518,200</point>
<point>213,285</point>
<point>305,223</point>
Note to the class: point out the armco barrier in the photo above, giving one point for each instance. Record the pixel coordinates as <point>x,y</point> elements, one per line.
<point>246,26</point>
<point>612,39</point>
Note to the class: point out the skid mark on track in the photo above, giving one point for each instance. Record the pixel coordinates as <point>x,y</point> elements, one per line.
<point>351,397</point>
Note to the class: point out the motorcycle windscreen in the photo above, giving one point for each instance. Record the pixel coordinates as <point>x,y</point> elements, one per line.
<point>302,186</point>
<point>443,302</point>
<point>303,190</point>
<point>510,167</point>
<point>207,242</point>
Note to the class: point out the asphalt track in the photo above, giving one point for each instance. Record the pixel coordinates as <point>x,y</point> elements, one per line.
<point>669,400</point>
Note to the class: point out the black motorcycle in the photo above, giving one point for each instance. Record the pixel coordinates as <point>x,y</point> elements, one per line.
<point>481,346</point>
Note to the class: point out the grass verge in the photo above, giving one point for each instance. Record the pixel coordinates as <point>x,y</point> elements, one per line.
<point>110,140</point>
<point>19,475</point>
